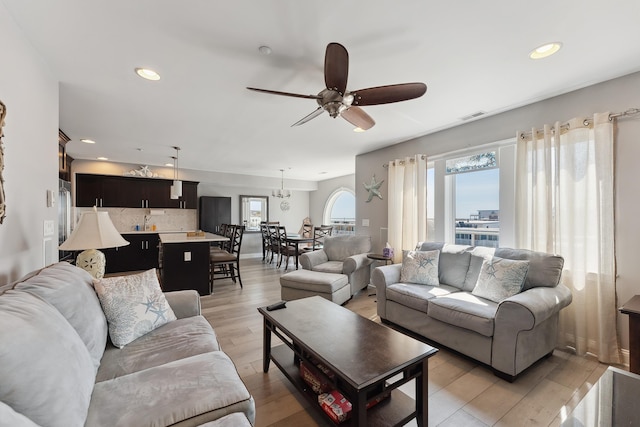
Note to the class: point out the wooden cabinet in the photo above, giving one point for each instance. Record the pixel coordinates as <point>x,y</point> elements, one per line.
<point>131,192</point>
<point>141,254</point>
<point>98,190</point>
<point>213,212</point>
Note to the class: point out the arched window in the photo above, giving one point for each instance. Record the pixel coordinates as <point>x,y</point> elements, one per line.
<point>340,211</point>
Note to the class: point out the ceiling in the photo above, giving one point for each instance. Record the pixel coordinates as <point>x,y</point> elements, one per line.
<point>472,55</point>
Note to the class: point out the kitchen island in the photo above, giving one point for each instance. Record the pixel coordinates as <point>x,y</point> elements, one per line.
<point>184,260</point>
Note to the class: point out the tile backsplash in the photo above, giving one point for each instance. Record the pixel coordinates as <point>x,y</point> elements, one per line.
<point>126,219</point>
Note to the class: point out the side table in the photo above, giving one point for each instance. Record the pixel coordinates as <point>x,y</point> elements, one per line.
<point>632,308</point>
<point>378,258</point>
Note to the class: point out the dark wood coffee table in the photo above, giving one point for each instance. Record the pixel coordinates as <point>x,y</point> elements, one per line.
<point>364,356</point>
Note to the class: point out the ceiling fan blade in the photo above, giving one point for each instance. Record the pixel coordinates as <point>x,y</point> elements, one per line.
<point>357,117</point>
<point>336,67</point>
<point>275,92</point>
<point>388,94</point>
<point>308,117</point>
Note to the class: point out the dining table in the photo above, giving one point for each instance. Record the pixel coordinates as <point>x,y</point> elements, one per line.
<point>295,239</point>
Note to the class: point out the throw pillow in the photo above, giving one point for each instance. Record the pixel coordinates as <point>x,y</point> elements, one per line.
<point>134,305</point>
<point>420,267</point>
<point>500,278</point>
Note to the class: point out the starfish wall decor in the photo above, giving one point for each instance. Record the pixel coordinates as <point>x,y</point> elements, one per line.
<point>373,188</point>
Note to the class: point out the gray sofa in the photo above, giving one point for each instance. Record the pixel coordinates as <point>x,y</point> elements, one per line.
<point>58,367</point>
<point>342,255</point>
<point>508,336</point>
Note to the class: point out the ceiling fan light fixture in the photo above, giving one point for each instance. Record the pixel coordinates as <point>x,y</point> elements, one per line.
<point>545,50</point>
<point>148,74</point>
<point>358,129</point>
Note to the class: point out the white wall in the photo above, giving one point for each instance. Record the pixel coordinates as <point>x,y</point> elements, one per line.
<point>614,96</point>
<point>30,143</point>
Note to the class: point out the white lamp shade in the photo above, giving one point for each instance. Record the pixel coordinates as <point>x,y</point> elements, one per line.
<point>176,189</point>
<point>94,231</point>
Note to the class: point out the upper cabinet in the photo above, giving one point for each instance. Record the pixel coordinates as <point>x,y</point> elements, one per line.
<point>131,192</point>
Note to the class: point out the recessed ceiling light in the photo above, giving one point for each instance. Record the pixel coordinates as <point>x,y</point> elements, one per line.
<point>359,130</point>
<point>103,158</point>
<point>147,73</point>
<point>169,164</point>
<point>265,50</point>
<point>87,141</point>
<point>545,50</point>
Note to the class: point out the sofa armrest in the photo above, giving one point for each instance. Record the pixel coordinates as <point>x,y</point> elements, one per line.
<point>311,259</point>
<point>382,277</point>
<point>533,306</point>
<point>184,303</point>
<point>525,327</point>
<point>355,262</point>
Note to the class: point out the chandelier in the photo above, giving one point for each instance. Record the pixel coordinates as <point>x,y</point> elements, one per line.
<point>281,192</point>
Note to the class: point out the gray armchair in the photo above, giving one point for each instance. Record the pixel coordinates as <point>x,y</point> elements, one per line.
<point>343,255</point>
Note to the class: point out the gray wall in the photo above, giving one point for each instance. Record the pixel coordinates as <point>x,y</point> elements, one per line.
<point>30,93</point>
<point>318,198</point>
<point>614,96</point>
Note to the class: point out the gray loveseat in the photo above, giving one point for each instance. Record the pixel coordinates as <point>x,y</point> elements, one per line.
<point>58,368</point>
<point>342,255</point>
<point>508,336</point>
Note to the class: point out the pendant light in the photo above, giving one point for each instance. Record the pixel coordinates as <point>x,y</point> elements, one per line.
<point>281,192</point>
<point>176,188</point>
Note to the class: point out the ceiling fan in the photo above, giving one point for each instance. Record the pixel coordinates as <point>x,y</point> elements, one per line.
<point>337,101</point>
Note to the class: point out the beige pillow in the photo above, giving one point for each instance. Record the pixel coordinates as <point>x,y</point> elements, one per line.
<point>500,278</point>
<point>134,305</point>
<point>420,267</point>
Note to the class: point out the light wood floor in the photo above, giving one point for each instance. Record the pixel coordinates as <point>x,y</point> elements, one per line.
<point>461,392</point>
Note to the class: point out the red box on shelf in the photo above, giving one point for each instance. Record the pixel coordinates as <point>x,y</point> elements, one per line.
<point>335,405</point>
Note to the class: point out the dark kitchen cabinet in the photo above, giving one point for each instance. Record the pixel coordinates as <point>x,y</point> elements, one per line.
<point>140,254</point>
<point>98,190</point>
<point>189,199</point>
<point>213,212</point>
<point>131,192</point>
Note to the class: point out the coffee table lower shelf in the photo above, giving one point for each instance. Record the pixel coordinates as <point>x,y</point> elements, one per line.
<point>397,410</point>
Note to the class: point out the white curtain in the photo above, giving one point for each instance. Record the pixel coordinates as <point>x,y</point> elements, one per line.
<point>565,205</point>
<point>407,203</point>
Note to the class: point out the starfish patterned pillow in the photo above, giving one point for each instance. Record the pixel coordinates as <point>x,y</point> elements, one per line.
<point>134,305</point>
<point>420,267</point>
<point>500,278</point>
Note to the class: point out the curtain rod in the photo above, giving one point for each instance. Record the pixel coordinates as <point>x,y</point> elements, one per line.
<point>587,122</point>
<point>422,156</point>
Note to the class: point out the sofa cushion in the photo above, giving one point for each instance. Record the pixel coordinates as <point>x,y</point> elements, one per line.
<point>500,278</point>
<point>330,267</point>
<point>69,288</point>
<point>168,394</point>
<point>172,341</point>
<point>478,255</point>
<point>338,248</point>
<point>420,267</point>
<point>416,296</point>
<point>544,269</point>
<point>134,305</point>
<point>54,393</point>
<point>464,310</point>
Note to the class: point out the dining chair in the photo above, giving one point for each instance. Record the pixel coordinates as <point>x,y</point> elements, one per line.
<point>319,234</point>
<point>284,248</point>
<point>226,263</point>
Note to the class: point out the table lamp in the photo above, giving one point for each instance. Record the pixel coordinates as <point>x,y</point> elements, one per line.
<point>94,231</point>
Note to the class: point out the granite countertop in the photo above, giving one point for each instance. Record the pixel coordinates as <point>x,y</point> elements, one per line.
<point>181,237</point>
<point>154,231</point>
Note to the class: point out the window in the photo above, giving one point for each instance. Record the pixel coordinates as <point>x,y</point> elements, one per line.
<point>470,196</point>
<point>253,210</point>
<point>340,211</point>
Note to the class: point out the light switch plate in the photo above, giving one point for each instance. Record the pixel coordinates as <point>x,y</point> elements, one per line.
<point>48,227</point>
<point>365,222</point>
<point>187,256</point>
